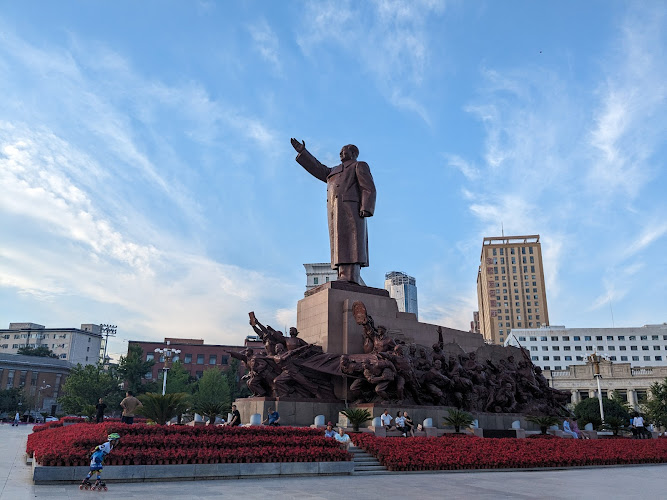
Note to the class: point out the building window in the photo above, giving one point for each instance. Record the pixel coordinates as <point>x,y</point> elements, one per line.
<point>612,348</point>
<point>200,359</point>
<point>212,359</point>
<point>545,358</point>
<point>533,339</point>
<point>568,358</point>
<point>587,338</point>
<point>532,358</point>
<point>543,339</point>
<point>494,252</point>
<point>633,347</point>
<point>567,348</point>
<point>547,367</point>
<point>635,358</point>
<point>188,358</point>
<point>533,348</point>
<point>658,358</point>
<point>199,375</point>
<point>522,339</point>
<point>576,338</point>
<point>647,358</point>
<point>644,348</point>
<point>556,358</point>
<point>316,280</point>
<point>612,358</point>
<point>589,347</point>
<point>632,337</point>
<point>656,347</point>
<point>555,348</point>
<point>624,358</point>
<point>600,348</point>
<point>558,368</point>
<point>579,358</point>
<point>643,337</point>
<point>577,348</point>
<point>566,338</point>
<point>622,348</point>
<point>545,348</point>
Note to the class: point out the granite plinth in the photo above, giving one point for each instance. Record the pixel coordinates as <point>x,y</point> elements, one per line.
<point>324,317</point>
<point>297,412</point>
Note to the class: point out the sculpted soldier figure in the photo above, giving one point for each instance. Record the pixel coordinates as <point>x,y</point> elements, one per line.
<point>350,200</point>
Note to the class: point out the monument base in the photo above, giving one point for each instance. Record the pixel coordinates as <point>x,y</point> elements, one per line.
<point>302,413</point>
<point>325,318</point>
<point>296,412</point>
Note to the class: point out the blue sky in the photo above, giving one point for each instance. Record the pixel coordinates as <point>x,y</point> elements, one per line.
<point>147,178</point>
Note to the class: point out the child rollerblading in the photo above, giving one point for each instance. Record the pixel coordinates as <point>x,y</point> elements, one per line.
<point>96,463</point>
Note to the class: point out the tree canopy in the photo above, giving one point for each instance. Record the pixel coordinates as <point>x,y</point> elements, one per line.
<point>179,379</point>
<point>656,406</point>
<point>10,399</point>
<point>588,410</point>
<point>42,351</point>
<point>85,385</point>
<point>132,368</point>
<point>212,395</point>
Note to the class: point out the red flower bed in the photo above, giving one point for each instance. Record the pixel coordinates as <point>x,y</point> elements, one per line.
<point>154,444</point>
<point>484,453</point>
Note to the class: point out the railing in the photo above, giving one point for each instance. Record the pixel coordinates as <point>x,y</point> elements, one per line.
<point>641,371</point>
<point>560,373</point>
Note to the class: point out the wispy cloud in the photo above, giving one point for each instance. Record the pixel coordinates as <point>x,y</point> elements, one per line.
<point>266,43</point>
<point>387,38</point>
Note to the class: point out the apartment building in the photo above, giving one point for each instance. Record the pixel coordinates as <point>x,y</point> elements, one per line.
<point>403,289</point>
<point>510,286</point>
<point>77,345</point>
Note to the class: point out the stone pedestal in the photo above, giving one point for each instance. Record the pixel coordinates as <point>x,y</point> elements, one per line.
<point>324,317</point>
<point>301,412</point>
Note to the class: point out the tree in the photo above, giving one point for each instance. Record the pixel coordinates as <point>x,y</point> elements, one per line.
<point>655,407</point>
<point>357,416</point>
<point>161,409</point>
<point>458,419</point>
<point>588,410</point>
<point>211,397</point>
<point>10,399</point>
<point>42,351</point>
<point>178,379</point>
<point>85,385</point>
<point>236,388</point>
<point>132,368</point>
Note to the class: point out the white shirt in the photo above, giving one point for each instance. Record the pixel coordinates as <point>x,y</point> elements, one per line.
<point>343,439</point>
<point>386,419</point>
<point>638,421</point>
<point>400,421</point>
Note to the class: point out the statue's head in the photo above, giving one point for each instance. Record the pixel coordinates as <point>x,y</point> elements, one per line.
<point>293,332</point>
<point>437,364</point>
<point>280,348</point>
<point>436,347</point>
<point>349,152</point>
<point>381,331</point>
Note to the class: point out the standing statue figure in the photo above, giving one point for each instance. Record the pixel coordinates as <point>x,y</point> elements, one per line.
<point>350,200</point>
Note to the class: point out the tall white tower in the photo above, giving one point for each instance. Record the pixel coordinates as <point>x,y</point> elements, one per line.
<point>403,289</point>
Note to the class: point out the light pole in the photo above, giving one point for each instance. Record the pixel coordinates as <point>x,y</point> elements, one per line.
<point>595,359</point>
<point>167,352</point>
<point>107,331</point>
<point>39,393</point>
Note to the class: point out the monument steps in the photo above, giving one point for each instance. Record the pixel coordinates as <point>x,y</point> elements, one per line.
<point>366,464</point>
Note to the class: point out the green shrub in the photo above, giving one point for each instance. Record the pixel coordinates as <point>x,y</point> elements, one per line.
<point>458,418</point>
<point>588,411</point>
<point>356,416</point>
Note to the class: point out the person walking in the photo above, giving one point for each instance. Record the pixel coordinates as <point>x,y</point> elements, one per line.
<point>129,405</point>
<point>99,411</point>
<point>17,419</point>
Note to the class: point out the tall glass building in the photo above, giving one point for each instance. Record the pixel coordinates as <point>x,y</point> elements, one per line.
<point>403,289</point>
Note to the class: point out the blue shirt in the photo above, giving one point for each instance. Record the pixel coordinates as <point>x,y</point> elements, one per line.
<point>273,417</point>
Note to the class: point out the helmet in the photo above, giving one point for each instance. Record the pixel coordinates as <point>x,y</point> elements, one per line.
<point>113,435</point>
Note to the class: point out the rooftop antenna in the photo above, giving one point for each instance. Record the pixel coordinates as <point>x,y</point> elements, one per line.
<point>502,229</point>
<point>611,310</point>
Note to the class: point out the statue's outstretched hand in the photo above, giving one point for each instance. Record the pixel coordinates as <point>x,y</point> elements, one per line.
<point>298,146</point>
<point>364,213</point>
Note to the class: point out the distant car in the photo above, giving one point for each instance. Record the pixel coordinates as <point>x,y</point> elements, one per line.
<point>51,419</point>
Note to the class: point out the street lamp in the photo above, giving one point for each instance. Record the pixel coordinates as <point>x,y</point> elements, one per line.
<point>595,359</point>
<point>167,352</point>
<point>39,393</point>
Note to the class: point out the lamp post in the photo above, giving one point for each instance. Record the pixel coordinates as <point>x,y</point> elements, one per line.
<point>167,352</point>
<point>39,393</point>
<point>595,359</point>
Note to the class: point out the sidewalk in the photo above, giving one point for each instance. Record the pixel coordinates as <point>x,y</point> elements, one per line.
<point>636,482</point>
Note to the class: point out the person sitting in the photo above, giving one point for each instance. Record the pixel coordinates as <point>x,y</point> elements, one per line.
<point>330,432</point>
<point>400,424</point>
<point>386,419</point>
<point>341,437</point>
<point>236,417</point>
<point>408,424</point>
<point>273,418</point>
<point>568,430</point>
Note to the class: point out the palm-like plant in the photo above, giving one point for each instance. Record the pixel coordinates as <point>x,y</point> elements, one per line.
<point>161,408</point>
<point>356,416</point>
<point>614,424</point>
<point>543,421</point>
<point>458,418</point>
<point>209,409</point>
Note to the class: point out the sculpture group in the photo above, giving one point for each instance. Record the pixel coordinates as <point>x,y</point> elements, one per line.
<point>492,379</point>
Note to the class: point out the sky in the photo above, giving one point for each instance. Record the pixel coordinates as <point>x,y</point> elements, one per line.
<point>147,178</point>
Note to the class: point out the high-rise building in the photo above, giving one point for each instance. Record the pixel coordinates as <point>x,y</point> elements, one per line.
<point>510,286</point>
<point>403,289</point>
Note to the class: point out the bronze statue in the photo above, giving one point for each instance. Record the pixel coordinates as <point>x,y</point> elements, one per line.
<point>350,200</point>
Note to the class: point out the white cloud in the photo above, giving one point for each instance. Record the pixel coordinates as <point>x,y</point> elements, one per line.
<point>649,235</point>
<point>266,43</point>
<point>390,42</point>
<point>467,169</point>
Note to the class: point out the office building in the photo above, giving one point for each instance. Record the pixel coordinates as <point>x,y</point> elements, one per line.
<point>403,289</point>
<point>83,345</point>
<point>557,348</point>
<point>510,286</point>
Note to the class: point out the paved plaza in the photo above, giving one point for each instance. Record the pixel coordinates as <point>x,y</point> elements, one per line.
<point>636,482</point>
